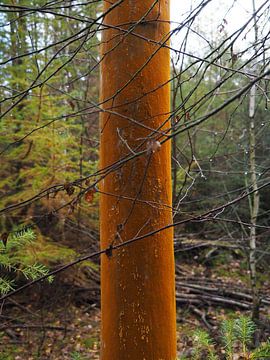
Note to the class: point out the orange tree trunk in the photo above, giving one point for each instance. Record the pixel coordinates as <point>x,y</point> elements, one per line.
<point>137,291</point>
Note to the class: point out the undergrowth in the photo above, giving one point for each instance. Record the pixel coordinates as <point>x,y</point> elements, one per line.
<point>236,337</point>
<point>22,256</point>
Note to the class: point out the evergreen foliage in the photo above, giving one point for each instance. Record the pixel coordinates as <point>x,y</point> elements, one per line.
<point>236,336</point>
<point>47,139</point>
<point>13,262</point>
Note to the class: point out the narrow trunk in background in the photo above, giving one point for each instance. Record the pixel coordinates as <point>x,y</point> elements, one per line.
<point>254,206</point>
<point>137,291</point>
<point>255,197</point>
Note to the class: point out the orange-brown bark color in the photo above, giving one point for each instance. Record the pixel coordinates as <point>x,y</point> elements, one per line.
<point>138,299</point>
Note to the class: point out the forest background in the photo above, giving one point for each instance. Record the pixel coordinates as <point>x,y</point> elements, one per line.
<point>49,175</point>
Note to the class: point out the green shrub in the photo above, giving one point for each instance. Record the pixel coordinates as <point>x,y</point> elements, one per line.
<point>236,336</point>
<point>15,260</point>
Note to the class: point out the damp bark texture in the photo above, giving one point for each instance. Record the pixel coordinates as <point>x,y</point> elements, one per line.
<point>137,290</point>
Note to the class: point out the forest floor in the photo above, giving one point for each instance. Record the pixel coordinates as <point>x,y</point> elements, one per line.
<point>51,324</point>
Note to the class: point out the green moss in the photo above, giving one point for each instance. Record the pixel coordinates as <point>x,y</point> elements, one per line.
<point>90,342</point>
<point>9,353</point>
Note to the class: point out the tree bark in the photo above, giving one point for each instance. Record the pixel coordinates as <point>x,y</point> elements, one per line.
<point>137,291</point>
<point>254,208</point>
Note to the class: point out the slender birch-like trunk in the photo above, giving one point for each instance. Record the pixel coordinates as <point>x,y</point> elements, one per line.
<point>254,206</point>
<point>255,197</point>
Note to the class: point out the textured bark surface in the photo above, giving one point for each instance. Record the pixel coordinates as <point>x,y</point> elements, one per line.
<point>138,297</point>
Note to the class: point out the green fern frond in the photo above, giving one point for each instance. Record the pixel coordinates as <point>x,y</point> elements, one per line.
<point>5,262</point>
<point>228,336</point>
<point>18,240</point>
<point>6,285</point>
<point>75,355</point>
<point>14,258</point>
<point>202,338</point>
<point>35,271</point>
<point>262,352</point>
<point>203,341</point>
<point>23,237</point>
<point>212,356</point>
<point>50,279</point>
<point>244,329</point>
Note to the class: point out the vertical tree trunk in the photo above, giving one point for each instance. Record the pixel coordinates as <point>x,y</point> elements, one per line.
<point>255,197</point>
<point>254,206</point>
<point>138,300</point>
